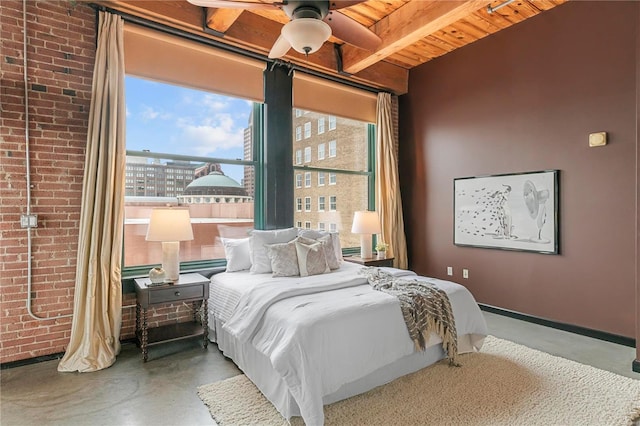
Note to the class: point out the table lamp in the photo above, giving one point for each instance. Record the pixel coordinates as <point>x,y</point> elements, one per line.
<point>170,226</point>
<point>365,223</point>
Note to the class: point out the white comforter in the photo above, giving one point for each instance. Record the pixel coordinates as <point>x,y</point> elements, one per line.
<point>324,331</point>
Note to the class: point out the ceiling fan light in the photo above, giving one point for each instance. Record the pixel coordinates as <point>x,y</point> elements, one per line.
<point>306,35</point>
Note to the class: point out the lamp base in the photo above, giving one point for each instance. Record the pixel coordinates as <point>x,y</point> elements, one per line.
<point>365,246</point>
<point>171,260</point>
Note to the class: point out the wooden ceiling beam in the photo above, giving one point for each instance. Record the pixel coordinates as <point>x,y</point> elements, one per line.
<point>257,34</point>
<point>221,19</point>
<point>407,25</point>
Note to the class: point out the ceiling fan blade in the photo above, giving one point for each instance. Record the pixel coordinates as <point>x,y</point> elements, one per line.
<point>280,48</point>
<point>231,4</point>
<point>351,31</point>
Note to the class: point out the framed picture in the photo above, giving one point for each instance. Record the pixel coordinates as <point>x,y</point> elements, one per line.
<point>511,211</point>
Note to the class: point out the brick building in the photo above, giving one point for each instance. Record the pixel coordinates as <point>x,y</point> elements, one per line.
<point>324,199</point>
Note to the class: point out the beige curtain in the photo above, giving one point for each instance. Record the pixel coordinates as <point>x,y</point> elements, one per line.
<point>97,309</point>
<point>388,200</point>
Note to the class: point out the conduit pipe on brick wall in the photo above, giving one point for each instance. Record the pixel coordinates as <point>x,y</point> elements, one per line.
<point>28,168</point>
<point>28,174</point>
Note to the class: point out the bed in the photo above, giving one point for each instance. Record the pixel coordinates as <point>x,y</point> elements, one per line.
<point>310,341</point>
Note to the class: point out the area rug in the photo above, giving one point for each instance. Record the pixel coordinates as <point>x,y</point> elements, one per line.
<point>504,384</point>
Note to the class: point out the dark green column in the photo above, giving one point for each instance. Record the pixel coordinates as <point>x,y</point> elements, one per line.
<point>277,182</point>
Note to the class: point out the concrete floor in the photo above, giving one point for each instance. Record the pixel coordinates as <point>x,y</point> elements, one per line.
<point>163,391</point>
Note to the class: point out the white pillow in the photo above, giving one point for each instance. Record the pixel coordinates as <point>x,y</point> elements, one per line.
<point>284,259</point>
<point>260,262</point>
<point>311,259</point>
<point>236,251</point>
<point>335,239</point>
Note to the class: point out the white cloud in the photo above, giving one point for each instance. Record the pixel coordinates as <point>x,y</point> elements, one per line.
<point>214,103</point>
<point>206,140</point>
<point>148,114</point>
<point>216,133</point>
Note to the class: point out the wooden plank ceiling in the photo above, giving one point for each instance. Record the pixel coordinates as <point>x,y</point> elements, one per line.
<point>412,31</point>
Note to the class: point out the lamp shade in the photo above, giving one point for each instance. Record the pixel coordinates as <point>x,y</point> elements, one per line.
<point>366,222</point>
<point>169,225</point>
<point>306,35</point>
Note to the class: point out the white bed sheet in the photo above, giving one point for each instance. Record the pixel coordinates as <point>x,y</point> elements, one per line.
<point>321,343</point>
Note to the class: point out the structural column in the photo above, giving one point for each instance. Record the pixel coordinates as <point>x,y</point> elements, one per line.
<point>277,182</point>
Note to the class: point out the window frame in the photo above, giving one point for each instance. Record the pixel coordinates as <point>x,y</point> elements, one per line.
<point>332,122</point>
<point>333,148</point>
<point>323,156</point>
<point>262,209</point>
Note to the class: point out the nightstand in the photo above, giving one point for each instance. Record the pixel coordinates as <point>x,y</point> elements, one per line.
<point>192,288</point>
<point>370,261</point>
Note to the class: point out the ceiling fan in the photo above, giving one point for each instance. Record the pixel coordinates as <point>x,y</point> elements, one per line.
<point>312,23</point>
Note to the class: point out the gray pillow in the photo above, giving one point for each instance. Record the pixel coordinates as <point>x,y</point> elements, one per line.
<point>327,246</point>
<point>311,258</point>
<point>284,259</point>
<point>335,240</point>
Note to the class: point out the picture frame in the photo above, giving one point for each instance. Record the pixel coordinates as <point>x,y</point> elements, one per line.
<point>516,211</point>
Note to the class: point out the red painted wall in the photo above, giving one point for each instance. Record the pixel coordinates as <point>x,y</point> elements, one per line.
<point>526,99</point>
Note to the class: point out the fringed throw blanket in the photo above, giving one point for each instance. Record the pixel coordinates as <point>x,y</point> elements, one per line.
<point>426,309</point>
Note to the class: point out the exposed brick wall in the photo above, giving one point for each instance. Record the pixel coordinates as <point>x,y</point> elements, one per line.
<point>60,52</point>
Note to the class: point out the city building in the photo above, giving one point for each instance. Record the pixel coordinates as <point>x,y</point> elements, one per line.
<point>324,148</point>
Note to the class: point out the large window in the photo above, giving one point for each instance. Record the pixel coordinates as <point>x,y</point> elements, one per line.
<point>344,161</point>
<point>189,149</point>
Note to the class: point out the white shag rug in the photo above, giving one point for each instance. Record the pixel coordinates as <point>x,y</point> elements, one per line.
<point>504,384</point>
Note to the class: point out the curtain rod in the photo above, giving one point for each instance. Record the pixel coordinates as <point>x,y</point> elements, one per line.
<point>230,48</point>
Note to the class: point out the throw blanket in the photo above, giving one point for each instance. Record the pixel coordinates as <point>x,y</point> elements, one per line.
<point>426,309</point>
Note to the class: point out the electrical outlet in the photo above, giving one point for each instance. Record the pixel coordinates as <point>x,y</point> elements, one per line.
<point>29,221</point>
<point>450,270</point>
<point>465,273</point>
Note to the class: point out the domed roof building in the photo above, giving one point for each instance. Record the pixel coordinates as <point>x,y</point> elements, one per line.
<point>215,187</point>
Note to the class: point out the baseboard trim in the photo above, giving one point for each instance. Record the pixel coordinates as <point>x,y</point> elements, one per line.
<point>29,361</point>
<point>635,366</point>
<point>43,358</point>
<point>589,332</point>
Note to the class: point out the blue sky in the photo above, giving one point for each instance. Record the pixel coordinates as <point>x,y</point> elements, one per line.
<point>177,120</point>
